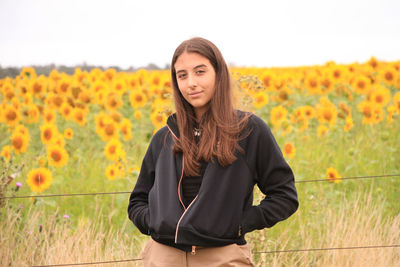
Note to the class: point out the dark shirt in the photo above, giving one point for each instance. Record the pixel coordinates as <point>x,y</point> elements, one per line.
<point>191,185</point>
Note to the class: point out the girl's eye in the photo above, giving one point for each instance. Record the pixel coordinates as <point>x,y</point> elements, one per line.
<point>200,71</point>
<point>181,76</point>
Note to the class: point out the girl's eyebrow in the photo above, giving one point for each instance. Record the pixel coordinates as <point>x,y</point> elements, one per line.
<point>197,67</point>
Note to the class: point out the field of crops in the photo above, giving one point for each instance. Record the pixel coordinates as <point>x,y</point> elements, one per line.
<point>88,132</point>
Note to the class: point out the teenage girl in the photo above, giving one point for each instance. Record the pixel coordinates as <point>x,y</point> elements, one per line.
<point>194,193</point>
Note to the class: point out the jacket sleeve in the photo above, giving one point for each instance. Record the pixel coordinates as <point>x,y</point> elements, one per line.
<point>274,178</point>
<point>138,208</point>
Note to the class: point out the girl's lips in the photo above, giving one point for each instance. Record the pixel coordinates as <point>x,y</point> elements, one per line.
<point>194,95</point>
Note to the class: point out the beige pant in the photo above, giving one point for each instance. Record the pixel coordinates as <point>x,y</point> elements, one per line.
<point>159,255</point>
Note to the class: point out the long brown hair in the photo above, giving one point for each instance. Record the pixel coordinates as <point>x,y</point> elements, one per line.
<point>220,125</point>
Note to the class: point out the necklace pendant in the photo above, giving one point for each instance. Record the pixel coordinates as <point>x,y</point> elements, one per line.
<point>197,132</point>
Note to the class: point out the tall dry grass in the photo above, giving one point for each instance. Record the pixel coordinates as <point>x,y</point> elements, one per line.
<point>354,224</point>
<point>39,240</point>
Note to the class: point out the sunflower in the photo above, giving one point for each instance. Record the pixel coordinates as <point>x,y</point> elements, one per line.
<point>158,118</point>
<point>49,116</point>
<point>11,115</point>
<point>371,113</point>
<point>57,156</point>
<point>38,86</point>
<point>110,73</point>
<point>260,99</point>
<point>6,152</point>
<point>32,113</point>
<point>66,111</point>
<point>28,72</point>
<point>39,179</point>
<point>322,130</point>
<point>309,112</point>
<point>389,76</point>
<point>113,101</point>
<point>112,172</point>
<point>64,86</point>
<point>361,84</point>
<point>48,133</point>
<point>137,99</point>
<point>349,123</point>
<point>268,77</point>
<point>109,130</point>
<point>289,150</point>
<point>278,114</point>
<point>380,96</point>
<point>326,111</point>
<point>137,114</point>
<point>68,133</point>
<point>114,150</point>
<point>312,83</point>
<point>373,62</point>
<point>79,116</point>
<point>332,175</point>
<point>19,142</point>
<point>119,86</point>
<point>8,91</point>
<point>126,129</point>
<point>85,97</point>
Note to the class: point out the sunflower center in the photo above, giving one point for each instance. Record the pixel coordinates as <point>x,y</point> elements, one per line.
<point>56,156</point>
<point>37,88</point>
<point>112,149</point>
<point>361,84</point>
<point>47,134</point>
<point>379,99</point>
<point>11,115</point>
<point>109,130</point>
<point>389,76</point>
<point>327,115</point>
<point>138,98</point>
<point>38,179</point>
<point>17,142</point>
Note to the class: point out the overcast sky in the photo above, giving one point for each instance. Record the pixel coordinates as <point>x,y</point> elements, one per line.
<point>128,33</point>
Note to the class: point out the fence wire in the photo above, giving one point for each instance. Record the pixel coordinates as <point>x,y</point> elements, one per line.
<point>253,252</point>
<point>128,192</point>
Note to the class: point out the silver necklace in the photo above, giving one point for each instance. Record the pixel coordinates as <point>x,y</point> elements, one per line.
<point>196,131</point>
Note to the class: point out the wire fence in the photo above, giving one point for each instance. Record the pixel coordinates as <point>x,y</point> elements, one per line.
<point>128,192</point>
<point>254,252</point>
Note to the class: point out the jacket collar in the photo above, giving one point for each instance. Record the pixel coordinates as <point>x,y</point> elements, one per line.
<point>173,125</point>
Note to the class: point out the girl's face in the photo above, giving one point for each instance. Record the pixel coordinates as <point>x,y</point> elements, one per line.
<point>196,80</point>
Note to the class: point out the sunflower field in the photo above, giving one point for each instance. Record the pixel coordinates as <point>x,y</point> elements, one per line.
<point>87,133</point>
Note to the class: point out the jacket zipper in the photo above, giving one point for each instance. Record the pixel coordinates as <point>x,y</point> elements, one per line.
<point>180,199</point>
<point>186,209</point>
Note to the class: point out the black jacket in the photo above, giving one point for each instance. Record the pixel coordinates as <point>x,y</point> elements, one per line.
<point>223,211</point>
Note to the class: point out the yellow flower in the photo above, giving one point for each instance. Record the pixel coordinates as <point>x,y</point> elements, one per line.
<point>361,84</point>
<point>48,133</point>
<point>49,116</point>
<point>326,112</point>
<point>114,150</point>
<point>69,133</point>
<point>312,83</point>
<point>19,142</point>
<point>289,150</point>
<point>349,123</point>
<point>113,101</point>
<point>11,115</point>
<point>66,110</point>
<point>109,130</point>
<point>39,179</point>
<point>158,118</point>
<point>126,129</point>
<point>278,114</point>
<point>6,152</point>
<point>260,99</point>
<point>371,113</point>
<point>137,114</point>
<point>322,130</point>
<point>119,86</point>
<point>389,75</point>
<point>57,156</point>
<point>32,114</point>
<point>332,175</point>
<point>112,172</point>
<point>309,112</point>
<point>79,116</point>
<point>380,96</point>
<point>137,99</point>
<point>64,85</point>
